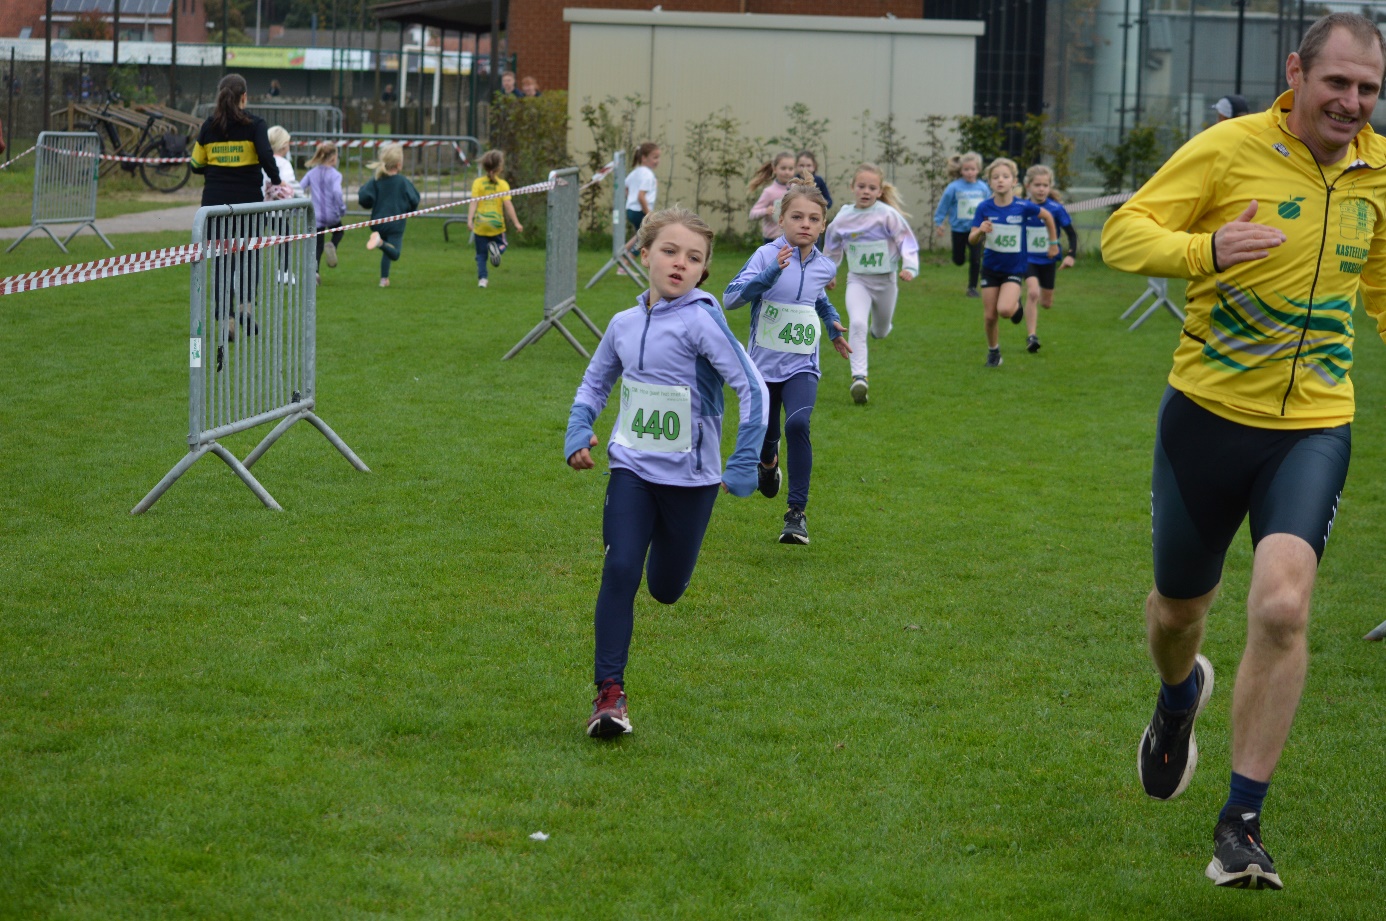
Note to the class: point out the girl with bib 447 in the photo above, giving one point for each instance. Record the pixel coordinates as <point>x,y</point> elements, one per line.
<point>784,282</point>
<point>672,352</point>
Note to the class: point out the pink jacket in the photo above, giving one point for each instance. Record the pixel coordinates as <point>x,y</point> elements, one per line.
<point>764,209</point>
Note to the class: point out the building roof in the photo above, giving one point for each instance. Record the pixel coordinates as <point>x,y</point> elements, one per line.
<point>107,7</point>
<point>458,15</point>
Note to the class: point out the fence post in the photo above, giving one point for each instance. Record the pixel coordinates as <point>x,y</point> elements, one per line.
<point>560,264</point>
<point>65,168</point>
<point>252,325</point>
<point>620,256</point>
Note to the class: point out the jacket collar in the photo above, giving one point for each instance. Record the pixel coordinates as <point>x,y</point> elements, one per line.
<point>1363,152</point>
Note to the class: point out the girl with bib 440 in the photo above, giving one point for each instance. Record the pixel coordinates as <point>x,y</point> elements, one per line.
<point>1001,220</point>
<point>783,282</point>
<point>874,234</point>
<point>672,352</point>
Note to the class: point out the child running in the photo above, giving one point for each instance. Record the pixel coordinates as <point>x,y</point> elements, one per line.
<point>673,352</point>
<point>1001,220</point>
<point>486,219</point>
<point>806,165</point>
<point>777,171</point>
<point>642,188</point>
<point>280,140</point>
<point>1039,280</point>
<point>783,282</point>
<point>959,203</point>
<point>324,185</point>
<point>386,195</point>
<point>875,233</point>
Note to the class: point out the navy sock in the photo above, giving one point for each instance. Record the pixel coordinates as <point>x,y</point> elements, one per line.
<point>1183,695</point>
<point>1244,795</point>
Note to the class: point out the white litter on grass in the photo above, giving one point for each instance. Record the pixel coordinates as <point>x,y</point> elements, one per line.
<point>539,836</point>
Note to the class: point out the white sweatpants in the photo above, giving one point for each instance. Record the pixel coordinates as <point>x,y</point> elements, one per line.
<point>870,298</point>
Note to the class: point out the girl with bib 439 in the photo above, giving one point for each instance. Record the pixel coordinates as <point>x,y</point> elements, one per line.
<point>874,234</point>
<point>672,352</point>
<point>783,282</point>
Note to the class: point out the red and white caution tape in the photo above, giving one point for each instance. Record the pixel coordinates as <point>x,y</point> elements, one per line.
<point>1105,201</point>
<point>182,255</point>
<point>117,158</point>
<point>381,142</point>
<point>599,176</point>
<point>12,162</point>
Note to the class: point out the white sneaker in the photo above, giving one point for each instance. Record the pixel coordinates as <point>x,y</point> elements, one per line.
<point>384,282</point>
<point>481,282</point>
<point>329,252</point>
<point>374,241</point>
<point>859,389</point>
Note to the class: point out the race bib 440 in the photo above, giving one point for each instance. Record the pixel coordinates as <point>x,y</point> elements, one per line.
<point>655,417</point>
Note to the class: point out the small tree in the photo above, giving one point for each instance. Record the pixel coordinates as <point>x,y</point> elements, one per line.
<point>533,133</point>
<point>804,133</point>
<point>892,151</point>
<point>1135,157</point>
<point>723,157</point>
<point>983,134</point>
<point>931,168</point>
<point>612,124</point>
<point>1032,146</point>
<point>1061,150</point>
<point>90,25</point>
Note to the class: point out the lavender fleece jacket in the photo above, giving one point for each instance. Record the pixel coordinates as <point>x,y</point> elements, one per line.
<point>681,342</point>
<point>801,283</point>
<point>324,184</point>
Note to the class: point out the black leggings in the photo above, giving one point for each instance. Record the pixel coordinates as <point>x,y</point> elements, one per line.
<point>969,252</point>
<point>1210,473</point>
<point>321,239</point>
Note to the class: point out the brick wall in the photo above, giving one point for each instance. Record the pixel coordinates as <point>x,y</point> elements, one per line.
<point>538,36</point>
<point>17,14</point>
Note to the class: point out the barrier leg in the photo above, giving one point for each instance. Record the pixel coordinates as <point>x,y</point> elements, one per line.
<point>51,236</point>
<point>192,457</point>
<point>246,476</point>
<point>269,440</point>
<point>94,229</point>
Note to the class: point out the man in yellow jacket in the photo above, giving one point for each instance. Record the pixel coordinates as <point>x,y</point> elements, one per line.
<point>1278,221</point>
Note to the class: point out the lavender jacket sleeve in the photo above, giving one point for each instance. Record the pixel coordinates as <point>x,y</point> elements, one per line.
<point>756,277</point>
<point>592,393</point>
<point>904,241</point>
<point>829,315</point>
<point>729,359</point>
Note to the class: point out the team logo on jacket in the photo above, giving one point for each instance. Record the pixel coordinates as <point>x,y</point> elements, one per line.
<point>1281,149</point>
<point>1289,210</point>
<point>1355,219</point>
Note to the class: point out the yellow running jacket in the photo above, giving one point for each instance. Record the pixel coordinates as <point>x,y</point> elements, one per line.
<point>1266,343</point>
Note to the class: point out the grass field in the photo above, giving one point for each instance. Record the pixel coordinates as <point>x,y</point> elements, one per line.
<point>364,706</point>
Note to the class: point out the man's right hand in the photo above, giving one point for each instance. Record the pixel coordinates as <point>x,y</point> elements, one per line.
<point>1243,240</point>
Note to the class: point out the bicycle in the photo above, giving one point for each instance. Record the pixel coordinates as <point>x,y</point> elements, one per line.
<point>109,126</point>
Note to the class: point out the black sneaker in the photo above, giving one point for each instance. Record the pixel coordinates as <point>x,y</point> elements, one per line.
<point>494,251</point>
<point>1168,752</point>
<point>1032,344</point>
<point>973,292</point>
<point>1019,316</point>
<point>1240,860</point>
<point>610,718</point>
<point>993,358</point>
<point>768,480</point>
<point>795,527</point>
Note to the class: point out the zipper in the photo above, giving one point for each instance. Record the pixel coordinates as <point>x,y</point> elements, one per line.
<point>1314,286</point>
<point>649,312</point>
<point>698,451</point>
<point>799,298</point>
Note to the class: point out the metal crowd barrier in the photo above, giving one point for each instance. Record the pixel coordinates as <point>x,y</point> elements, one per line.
<point>1157,291</point>
<point>65,185</point>
<point>620,256</point>
<point>293,117</point>
<point>253,336</point>
<point>560,263</point>
<point>437,164</point>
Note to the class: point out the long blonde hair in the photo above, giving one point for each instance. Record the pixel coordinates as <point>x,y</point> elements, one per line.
<point>324,152</point>
<point>1039,169</point>
<point>765,174</point>
<point>889,193</point>
<point>391,157</point>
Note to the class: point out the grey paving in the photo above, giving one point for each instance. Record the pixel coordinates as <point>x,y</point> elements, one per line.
<point>164,219</point>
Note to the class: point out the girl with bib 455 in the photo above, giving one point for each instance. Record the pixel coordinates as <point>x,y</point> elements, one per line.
<point>672,352</point>
<point>783,282</point>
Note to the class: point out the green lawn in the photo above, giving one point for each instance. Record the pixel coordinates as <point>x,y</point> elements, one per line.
<point>363,706</point>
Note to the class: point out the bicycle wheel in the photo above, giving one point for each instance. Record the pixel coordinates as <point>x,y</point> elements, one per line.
<point>163,177</point>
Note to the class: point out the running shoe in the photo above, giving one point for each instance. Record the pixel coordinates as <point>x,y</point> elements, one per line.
<point>329,253</point>
<point>1169,752</point>
<point>1018,317</point>
<point>384,282</point>
<point>375,241</point>
<point>795,527</point>
<point>993,358</point>
<point>494,251</point>
<point>481,282</point>
<point>768,480</point>
<point>1240,860</point>
<point>1032,344</point>
<point>859,388</point>
<point>609,715</point>
<point>973,292</point>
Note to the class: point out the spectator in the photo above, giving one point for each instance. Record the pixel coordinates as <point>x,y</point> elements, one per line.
<point>275,91</point>
<point>388,94</point>
<point>1231,107</point>
<point>508,85</point>
<point>529,87</point>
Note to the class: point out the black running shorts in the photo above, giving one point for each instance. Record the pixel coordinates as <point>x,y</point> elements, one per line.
<point>1045,272</point>
<point>992,279</point>
<point>1210,473</point>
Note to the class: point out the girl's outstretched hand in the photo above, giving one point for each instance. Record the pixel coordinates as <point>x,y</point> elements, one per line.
<point>582,458</point>
<point>840,343</point>
<point>783,256</point>
<point>906,275</point>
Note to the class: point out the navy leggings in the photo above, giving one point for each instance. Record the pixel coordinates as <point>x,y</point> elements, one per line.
<point>971,252</point>
<point>390,243</point>
<point>668,522</point>
<point>797,395</point>
<point>483,251</point>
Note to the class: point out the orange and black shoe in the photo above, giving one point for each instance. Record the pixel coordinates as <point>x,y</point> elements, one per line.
<point>1240,860</point>
<point>609,715</point>
<point>1168,751</point>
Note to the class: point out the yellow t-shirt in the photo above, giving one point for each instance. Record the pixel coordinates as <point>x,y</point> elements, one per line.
<point>490,214</point>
